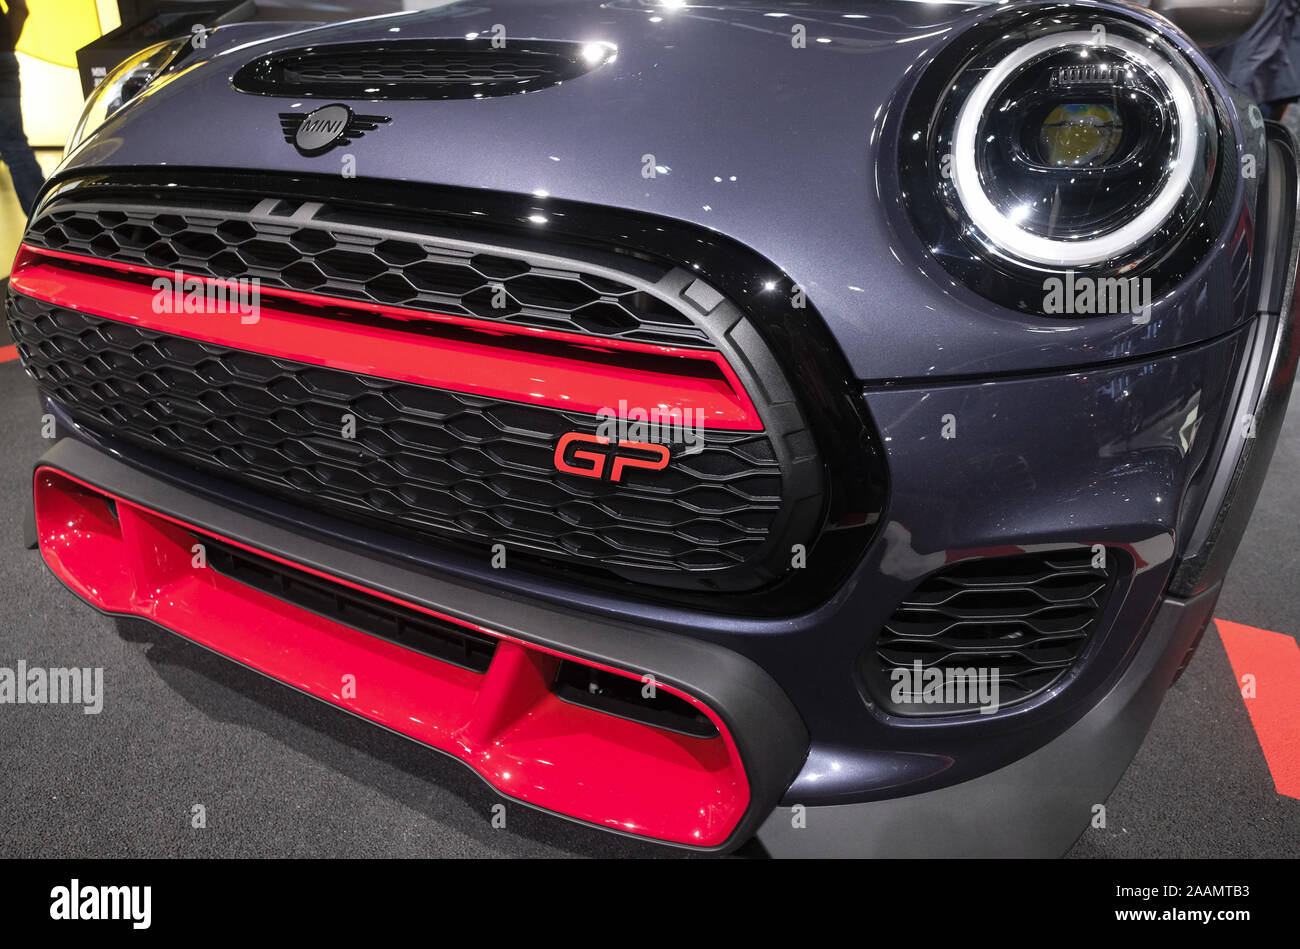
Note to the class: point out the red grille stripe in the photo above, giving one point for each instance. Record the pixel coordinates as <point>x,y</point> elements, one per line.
<point>518,364</point>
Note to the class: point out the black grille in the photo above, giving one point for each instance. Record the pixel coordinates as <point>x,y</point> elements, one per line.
<point>366,612</point>
<point>299,245</point>
<point>428,460</point>
<point>812,479</point>
<point>438,69</point>
<point>1029,617</point>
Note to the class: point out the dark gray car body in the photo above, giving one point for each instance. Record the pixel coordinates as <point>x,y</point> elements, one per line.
<point>1071,431</point>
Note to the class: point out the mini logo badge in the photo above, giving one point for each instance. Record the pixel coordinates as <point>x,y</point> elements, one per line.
<point>594,456</point>
<point>322,129</point>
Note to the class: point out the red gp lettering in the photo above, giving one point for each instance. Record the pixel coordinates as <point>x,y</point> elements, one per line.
<point>606,458</point>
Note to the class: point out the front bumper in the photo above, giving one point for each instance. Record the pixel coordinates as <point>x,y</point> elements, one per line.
<point>1022,782</point>
<point>999,488</point>
<point>125,541</point>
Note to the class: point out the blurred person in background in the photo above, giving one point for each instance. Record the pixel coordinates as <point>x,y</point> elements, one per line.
<point>1265,63</point>
<point>14,150</point>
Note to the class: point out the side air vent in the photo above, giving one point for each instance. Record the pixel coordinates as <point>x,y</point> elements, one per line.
<point>420,69</point>
<point>584,685</point>
<point>1026,618</point>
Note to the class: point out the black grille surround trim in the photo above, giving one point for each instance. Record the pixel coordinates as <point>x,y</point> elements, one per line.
<point>792,344</point>
<point>416,69</point>
<point>1032,616</point>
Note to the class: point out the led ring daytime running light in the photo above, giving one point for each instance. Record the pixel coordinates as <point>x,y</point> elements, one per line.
<point>1004,232</point>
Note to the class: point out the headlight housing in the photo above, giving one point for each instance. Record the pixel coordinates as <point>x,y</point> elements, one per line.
<point>127,80</point>
<point>1057,140</point>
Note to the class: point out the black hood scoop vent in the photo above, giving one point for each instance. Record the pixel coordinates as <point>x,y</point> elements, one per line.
<point>421,69</point>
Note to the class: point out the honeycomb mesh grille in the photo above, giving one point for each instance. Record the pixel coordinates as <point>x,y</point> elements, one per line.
<point>343,253</point>
<point>1029,617</point>
<point>428,460</point>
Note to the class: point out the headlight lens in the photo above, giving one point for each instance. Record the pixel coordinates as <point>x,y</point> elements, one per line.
<point>1070,141</point>
<point>123,84</point>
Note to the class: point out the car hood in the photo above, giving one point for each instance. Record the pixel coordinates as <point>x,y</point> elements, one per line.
<point>777,147</point>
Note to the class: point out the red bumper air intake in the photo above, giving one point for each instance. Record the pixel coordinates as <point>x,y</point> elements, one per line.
<point>507,710</point>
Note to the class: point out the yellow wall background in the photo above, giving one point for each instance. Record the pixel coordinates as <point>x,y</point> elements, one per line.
<point>47,59</point>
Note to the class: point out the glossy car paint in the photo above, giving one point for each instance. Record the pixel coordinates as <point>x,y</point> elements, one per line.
<point>1075,432</point>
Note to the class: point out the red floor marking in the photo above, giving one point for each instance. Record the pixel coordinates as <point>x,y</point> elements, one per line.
<point>8,353</point>
<point>1274,660</point>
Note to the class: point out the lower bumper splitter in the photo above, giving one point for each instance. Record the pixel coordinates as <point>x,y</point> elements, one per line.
<point>666,767</point>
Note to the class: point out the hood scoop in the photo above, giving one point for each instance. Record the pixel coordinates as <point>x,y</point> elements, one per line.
<point>421,69</point>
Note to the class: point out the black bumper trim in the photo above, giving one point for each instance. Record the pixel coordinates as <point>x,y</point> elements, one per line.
<point>1233,485</point>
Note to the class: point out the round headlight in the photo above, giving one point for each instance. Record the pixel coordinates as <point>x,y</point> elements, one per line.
<point>1045,142</point>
